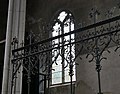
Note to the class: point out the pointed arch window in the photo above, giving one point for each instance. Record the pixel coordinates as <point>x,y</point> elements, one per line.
<point>64,23</point>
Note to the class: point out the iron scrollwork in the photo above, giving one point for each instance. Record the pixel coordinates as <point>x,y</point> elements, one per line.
<point>92,40</point>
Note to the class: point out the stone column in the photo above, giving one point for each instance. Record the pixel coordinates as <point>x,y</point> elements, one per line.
<point>20,17</point>
<point>7,49</point>
<point>15,28</point>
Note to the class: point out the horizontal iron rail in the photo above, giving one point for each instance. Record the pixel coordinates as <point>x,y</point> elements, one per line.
<point>73,32</point>
<point>50,49</point>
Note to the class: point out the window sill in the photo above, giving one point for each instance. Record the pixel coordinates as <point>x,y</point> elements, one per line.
<point>61,84</point>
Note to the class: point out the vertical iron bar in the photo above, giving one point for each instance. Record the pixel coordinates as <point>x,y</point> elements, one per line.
<point>12,77</point>
<point>13,62</point>
<point>97,56</point>
<point>99,82</point>
<point>44,84</point>
<point>71,84</point>
<point>48,90</point>
<point>71,63</point>
<point>38,65</point>
<point>15,67</point>
<point>62,50</point>
<point>29,67</point>
<point>48,86</point>
<point>29,77</point>
<point>48,76</point>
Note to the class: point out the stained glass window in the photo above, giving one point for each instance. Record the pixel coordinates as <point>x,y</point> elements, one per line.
<point>61,57</point>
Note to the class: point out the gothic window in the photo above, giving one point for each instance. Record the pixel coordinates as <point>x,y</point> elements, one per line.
<point>61,57</point>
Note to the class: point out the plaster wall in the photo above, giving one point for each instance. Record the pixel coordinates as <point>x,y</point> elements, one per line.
<point>87,75</point>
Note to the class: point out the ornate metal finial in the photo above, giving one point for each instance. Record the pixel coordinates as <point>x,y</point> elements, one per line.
<point>14,43</point>
<point>94,13</point>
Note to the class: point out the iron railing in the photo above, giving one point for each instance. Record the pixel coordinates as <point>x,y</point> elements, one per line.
<point>91,40</point>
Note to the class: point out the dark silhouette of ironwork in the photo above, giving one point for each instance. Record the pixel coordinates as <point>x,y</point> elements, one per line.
<point>91,40</point>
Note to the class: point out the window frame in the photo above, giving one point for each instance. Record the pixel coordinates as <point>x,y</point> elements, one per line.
<point>62,25</point>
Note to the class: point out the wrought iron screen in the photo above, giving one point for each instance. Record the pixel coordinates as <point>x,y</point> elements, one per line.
<point>93,39</point>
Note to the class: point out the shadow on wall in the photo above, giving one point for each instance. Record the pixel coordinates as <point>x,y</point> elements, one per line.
<point>83,88</point>
<point>63,89</point>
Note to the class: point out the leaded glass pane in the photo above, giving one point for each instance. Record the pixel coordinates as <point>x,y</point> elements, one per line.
<point>66,24</point>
